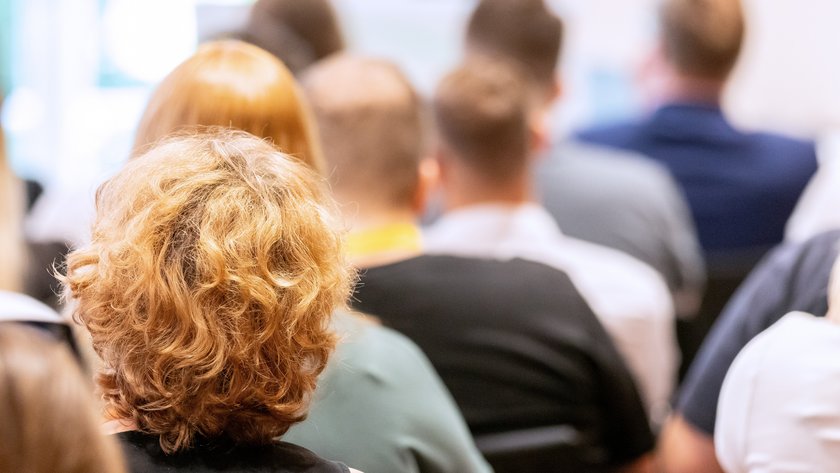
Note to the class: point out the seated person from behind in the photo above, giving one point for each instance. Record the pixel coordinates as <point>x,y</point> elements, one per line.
<point>486,150</point>
<point>208,287</point>
<point>793,277</point>
<point>598,194</point>
<point>513,340</point>
<point>778,408</point>
<point>253,91</point>
<point>50,422</point>
<point>741,187</point>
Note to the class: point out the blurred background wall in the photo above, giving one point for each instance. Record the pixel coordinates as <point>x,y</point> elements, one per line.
<point>77,72</point>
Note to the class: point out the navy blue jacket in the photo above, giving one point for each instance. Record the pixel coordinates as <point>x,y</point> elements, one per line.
<point>741,187</point>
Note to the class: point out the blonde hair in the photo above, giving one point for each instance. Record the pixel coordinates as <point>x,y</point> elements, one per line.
<point>371,126</point>
<point>237,85</point>
<point>702,37</point>
<point>49,420</point>
<point>208,286</point>
<point>11,217</point>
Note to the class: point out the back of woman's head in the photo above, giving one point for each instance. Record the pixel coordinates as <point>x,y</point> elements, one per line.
<point>232,84</point>
<point>48,419</point>
<point>213,269</point>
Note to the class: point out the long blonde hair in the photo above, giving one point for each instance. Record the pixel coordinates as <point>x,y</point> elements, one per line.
<point>49,420</point>
<point>237,85</point>
<point>11,218</point>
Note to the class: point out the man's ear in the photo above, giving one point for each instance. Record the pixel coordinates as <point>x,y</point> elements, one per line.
<point>428,175</point>
<point>539,129</point>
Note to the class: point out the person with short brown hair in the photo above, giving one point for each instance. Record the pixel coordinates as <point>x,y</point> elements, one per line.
<point>373,140</point>
<point>208,289</point>
<point>741,186</point>
<point>702,38</point>
<point>50,422</point>
<point>612,198</point>
<point>372,135</point>
<point>485,156</point>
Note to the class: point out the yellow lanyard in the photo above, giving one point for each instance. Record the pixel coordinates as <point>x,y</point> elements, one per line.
<point>384,239</point>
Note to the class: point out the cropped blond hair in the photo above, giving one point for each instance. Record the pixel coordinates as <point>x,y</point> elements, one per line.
<point>214,266</point>
<point>50,422</point>
<point>371,127</point>
<point>237,85</point>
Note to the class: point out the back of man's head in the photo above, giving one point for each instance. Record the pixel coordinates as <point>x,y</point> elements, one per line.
<point>481,110</point>
<point>523,31</point>
<point>299,32</point>
<point>702,38</point>
<point>371,128</point>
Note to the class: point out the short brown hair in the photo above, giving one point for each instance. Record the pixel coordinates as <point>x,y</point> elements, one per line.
<point>213,269</point>
<point>299,32</point>
<point>481,110</point>
<point>371,127</point>
<point>50,422</point>
<point>238,85</point>
<point>702,37</point>
<point>523,31</point>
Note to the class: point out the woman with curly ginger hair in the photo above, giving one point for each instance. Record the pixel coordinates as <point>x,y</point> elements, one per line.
<point>208,289</point>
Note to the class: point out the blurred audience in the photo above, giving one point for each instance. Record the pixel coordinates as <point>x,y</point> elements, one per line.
<point>504,335</point>
<point>214,267</point>
<point>793,277</point>
<point>609,197</point>
<point>411,421</point>
<point>741,187</point>
<point>299,32</point>
<point>50,420</point>
<point>778,408</point>
<point>484,157</point>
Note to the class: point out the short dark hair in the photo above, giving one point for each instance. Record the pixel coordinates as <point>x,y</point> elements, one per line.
<point>481,110</point>
<point>299,32</point>
<point>702,37</point>
<point>523,31</point>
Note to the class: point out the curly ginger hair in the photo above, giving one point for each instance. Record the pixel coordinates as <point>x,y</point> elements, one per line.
<point>214,267</point>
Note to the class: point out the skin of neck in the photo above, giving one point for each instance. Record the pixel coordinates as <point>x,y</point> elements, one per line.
<point>679,86</point>
<point>464,187</point>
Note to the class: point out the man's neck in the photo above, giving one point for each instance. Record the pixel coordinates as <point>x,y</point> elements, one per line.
<point>466,194</point>
<point>682,88</point>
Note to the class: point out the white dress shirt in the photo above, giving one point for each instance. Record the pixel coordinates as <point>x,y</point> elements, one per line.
<point>779,407</point>
<point>630,299</point>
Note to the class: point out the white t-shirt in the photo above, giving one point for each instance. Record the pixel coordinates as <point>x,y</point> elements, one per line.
<point>629,297</point>
<point>779,407</point>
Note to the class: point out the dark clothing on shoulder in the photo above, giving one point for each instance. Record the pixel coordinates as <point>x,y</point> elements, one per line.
<point>516,345</point>
<point>741,187</point>
<point>144,455</point>
<point>792,277</point>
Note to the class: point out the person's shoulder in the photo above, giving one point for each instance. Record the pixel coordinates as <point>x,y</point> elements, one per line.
<point>377,354</point>
<point>293,458</point>
<point>612,134</point>
<point>617,264</point>
<point>785,146</point>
